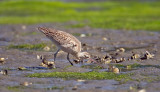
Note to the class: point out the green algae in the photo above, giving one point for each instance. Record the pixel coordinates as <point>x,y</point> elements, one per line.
<point>86,75</point>
<point>39,46</point>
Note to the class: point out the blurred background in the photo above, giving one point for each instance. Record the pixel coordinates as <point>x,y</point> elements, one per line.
<point>107,14</point>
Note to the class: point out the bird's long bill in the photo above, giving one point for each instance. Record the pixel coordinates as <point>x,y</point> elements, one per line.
<point>92,60</point>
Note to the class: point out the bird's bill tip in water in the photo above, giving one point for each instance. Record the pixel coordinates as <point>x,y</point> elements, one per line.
<point>92,60</point>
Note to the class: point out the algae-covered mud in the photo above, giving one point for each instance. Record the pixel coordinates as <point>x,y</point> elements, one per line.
<point>126,61</point>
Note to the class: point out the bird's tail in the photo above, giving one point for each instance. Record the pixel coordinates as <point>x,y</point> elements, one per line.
<point>43,29</point>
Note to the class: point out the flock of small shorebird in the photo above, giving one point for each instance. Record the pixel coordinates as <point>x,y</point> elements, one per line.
<point>66,42</point>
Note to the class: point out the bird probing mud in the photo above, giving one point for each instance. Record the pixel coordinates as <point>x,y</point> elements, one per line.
<point>66,42</point>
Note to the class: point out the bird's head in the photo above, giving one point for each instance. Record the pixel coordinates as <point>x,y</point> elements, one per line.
<point>83,55</point>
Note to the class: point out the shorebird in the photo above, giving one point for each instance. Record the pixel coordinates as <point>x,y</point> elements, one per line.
<point>66,42</point>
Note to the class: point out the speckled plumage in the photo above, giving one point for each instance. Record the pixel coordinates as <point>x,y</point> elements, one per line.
<point>64,41</point>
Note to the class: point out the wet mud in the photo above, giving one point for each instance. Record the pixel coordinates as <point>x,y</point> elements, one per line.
<point>135,52</point>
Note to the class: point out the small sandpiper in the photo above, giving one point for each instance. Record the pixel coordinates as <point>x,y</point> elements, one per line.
<point>66,42</point>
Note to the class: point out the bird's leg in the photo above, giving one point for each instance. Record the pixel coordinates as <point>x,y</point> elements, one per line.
<point>69,59</point>
<point>81,61</point>
<point>55,54</point>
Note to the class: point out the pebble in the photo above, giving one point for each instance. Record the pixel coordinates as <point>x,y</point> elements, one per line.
<point>79,80</point>
<point>48,64</point>
<point>142,90</point>
<point>21,68</point>
<point>120,50</point>
<point>135,56</point>
<point>4,72</point>
<point>75,87</point>
<point>147,55</point>
<point>26,83</point>
<point>46,48</point>
<point>114,69</point>
<point>119,60</point>
<point>83,35</point>
<point>23,27</point>
<point>38,56</point>
<point>107,61</point>
<point>104,38</point>
<point>2,60</point>
<point>77,61</point>
<point>129,67</point>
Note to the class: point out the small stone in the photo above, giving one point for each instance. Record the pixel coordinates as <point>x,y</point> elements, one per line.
<point>2,60</point>
<point>107,56</point>
<point>128,59</point>
<point>104,38</point>
<point>77,61</point>
<point>135,56</point>
<point>131,88</point>
<point>51,64</point>
<point>4,72</point>
<point>23,27</point>
<point>122,59</point>
<point>107,61</point>
<point>75,87</point>
<point>147,55</point>
<point>48,64</point>
<point>46,48</point>
<point>119,60</point>
<point>38,56</point>
<point>26,83</point>
<point>120,50</point>
<point>79,80</point>
<point>128,67</point>
<point>43,65</point>
<point>21,68</point>
<point>142,90</point>
<point>83,35</point>
<point>115,70</point>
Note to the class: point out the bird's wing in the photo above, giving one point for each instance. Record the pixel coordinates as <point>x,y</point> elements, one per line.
<point>62,38</point>
<point>72,46</point>
<point>71,42</point>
